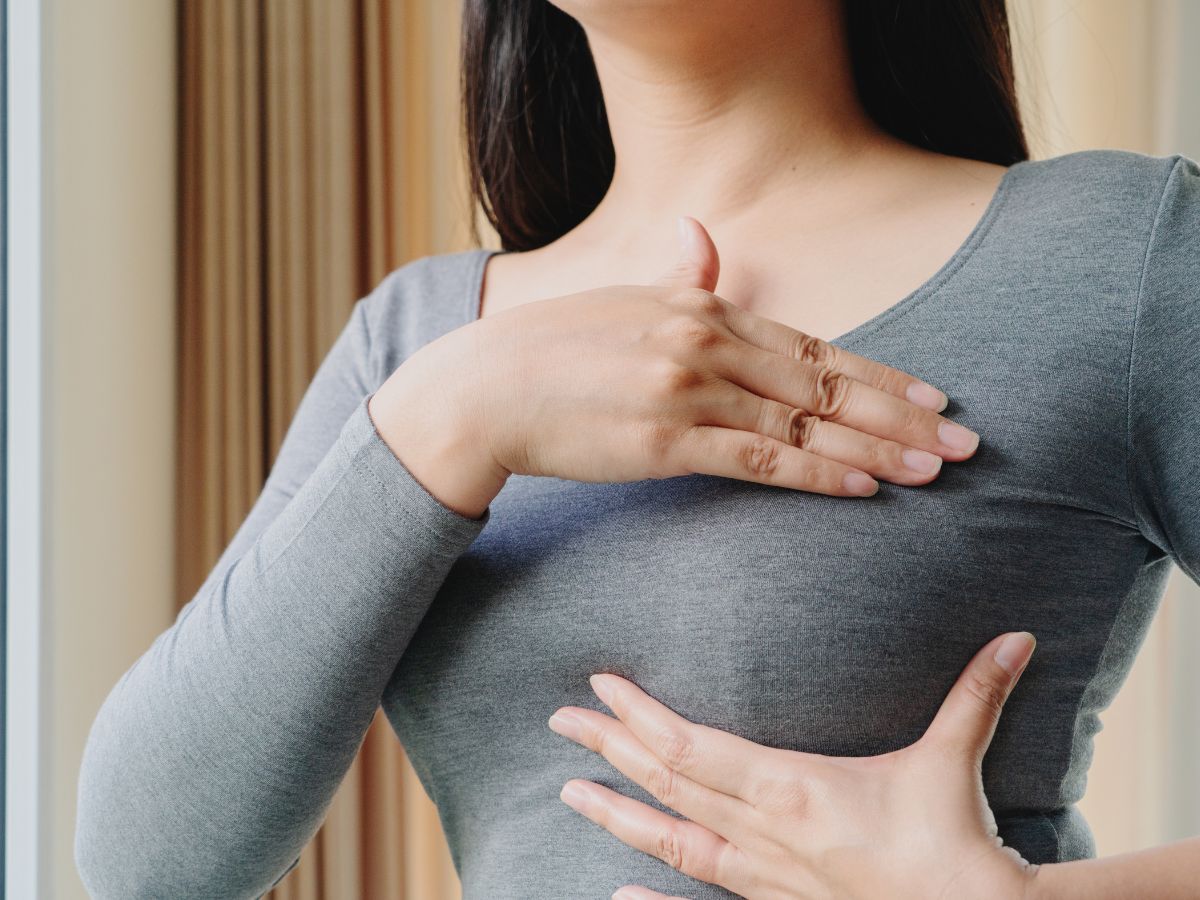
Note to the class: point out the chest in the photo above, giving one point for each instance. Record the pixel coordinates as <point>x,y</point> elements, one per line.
<point>828,624</point>
<point>769,612</point>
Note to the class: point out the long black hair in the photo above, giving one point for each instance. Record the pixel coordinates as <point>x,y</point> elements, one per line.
<point>938,74</point>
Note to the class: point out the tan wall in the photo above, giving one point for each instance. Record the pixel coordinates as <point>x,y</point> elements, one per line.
<point>110,92</point>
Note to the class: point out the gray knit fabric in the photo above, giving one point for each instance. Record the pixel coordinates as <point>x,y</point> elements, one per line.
<point>1064,331</point>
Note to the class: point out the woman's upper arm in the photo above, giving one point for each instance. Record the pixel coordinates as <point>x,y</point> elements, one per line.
<point>1164,376</point>
<point>342,380</point>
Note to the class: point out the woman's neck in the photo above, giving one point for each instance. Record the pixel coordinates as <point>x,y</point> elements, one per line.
<point>715,111</point>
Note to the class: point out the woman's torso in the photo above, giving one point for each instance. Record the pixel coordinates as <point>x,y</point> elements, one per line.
<point>797,620</point>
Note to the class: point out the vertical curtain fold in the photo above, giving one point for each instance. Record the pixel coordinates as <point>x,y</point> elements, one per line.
<point>304,164</point>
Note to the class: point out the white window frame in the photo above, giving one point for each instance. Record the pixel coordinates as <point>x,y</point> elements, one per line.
<point>25,578</point>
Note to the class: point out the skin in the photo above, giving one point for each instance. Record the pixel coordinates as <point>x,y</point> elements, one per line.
<point>744,118</point>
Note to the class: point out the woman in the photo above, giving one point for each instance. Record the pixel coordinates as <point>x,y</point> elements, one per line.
<point>722,478</point>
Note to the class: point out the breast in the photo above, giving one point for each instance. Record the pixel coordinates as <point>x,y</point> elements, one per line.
<point>832,625</point>
<point>824,624</point>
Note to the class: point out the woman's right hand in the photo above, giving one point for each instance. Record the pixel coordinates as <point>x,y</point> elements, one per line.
<point>627,382</point>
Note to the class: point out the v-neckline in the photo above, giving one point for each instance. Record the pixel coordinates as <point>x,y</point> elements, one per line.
<point>974,238</point>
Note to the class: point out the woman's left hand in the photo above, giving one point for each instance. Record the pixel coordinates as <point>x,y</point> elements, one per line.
<point>771,823</point>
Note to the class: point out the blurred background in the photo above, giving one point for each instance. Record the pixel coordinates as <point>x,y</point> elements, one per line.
<point>220,181</point>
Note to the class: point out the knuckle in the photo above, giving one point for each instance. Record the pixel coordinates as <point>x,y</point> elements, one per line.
<point>701,302</point>
<point>989,693</point>
<point>670,380</point>
<point>802,429</point>
<point>595,739</point>
<point>759,456</point>
<point>680,457</point>
<point>915,421</point>
<point>893,381</point>
<point>831,393</point>
<point>659,439</point>
<point>693,334</point>
<point>881,456</point>
<point>684,379</point>
<point>663,783</point>
<point>809,349</point>
<point>668,846</point>
<point>675,748</point>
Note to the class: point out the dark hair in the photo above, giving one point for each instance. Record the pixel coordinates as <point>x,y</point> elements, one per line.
<point>938,74</point>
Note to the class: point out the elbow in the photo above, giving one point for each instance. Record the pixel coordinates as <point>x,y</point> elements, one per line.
<point>154,820</point>
<point>108,873</point>
<point>113,860</point>
<point>103,877</point>
<point>128,843</point>
<point>115,854</point>
<point>111,869</point>
<point>138,864</point>
<point>122,856</point>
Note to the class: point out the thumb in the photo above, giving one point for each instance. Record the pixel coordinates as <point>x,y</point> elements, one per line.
<point>697,264</point>
<point>968,716</point>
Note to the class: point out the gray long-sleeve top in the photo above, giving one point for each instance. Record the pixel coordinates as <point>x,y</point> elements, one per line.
<point>1065,331</point>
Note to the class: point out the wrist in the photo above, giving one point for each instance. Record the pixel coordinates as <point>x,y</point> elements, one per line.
<point>999,873</point>
<point>437,447</point>
<point>1033,883</point>
<point>1057,881</point>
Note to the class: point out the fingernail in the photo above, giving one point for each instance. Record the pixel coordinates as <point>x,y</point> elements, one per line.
<point>1014,651</point>
<point>574,796</point>
<point>927,395</point>
<point>920,461</point>
<point>859,484</point>
<point>623,894</point>
<point>602,688</point>
<point>684,236</point>
<point>567,725</point>
<point>956,437</point>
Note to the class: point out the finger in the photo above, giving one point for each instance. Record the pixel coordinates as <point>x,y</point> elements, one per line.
<point>787,341</point>
<point>708,756</point>
<point>637,892</point>
<point>697,264</point>
<point>750,456</point>
<point>835,396</point>
<point>685,846</point>
<point>735,407</point>
<point>967,718</point>
<point>614,741</point>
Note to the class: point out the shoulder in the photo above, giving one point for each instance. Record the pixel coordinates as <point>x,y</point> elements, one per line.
<point>1102,190</point>
<point>418,302</point>
<point>1097,217</point>
<point>1104,171</point>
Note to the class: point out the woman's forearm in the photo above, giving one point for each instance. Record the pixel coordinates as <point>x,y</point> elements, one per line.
<point>213,760</point>
<point>1169,872</point>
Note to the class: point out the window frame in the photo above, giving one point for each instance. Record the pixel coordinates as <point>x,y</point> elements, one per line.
<point>22,606</point>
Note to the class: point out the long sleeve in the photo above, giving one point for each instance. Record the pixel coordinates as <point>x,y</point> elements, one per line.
<point>214,758</point>
<point>1164,376</point>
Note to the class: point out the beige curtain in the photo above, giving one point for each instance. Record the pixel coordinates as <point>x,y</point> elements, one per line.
<point>318,151</point>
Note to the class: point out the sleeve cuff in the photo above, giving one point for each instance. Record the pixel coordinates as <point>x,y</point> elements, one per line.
<point>400,487</point>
